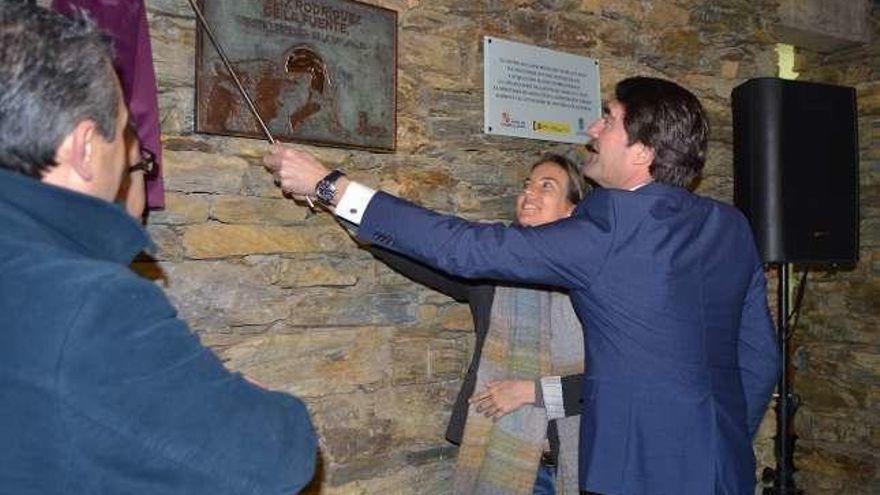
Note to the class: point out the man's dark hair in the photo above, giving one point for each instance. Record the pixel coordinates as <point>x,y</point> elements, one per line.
<point>669,119</point>
<point>55,72</point>
<point>577,185</point>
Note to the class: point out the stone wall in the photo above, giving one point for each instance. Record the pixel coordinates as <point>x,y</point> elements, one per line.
<point>287,297</point>
<point>837,342</point>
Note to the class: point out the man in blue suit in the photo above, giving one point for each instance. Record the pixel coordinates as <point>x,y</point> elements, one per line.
<point>681,355</point>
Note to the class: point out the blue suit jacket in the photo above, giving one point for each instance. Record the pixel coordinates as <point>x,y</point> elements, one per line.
<point>103,390</point>
<point>680,346</point>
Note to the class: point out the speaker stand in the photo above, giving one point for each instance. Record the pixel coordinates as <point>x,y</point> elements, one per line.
<point>786,401</point>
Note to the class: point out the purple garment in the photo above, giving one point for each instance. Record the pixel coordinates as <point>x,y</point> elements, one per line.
<point>126,22</point>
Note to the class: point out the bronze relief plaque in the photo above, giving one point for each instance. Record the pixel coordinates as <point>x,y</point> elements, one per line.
<point>319,71</point>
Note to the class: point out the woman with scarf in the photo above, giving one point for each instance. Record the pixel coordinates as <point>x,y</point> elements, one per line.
<point>513,416</point>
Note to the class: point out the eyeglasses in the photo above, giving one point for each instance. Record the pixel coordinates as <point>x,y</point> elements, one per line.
<point>147,162</point>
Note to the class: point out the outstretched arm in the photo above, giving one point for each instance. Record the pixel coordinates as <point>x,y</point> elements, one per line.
<point>569,253</point>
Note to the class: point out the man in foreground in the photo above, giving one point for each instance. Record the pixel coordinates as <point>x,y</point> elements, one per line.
<point>102,388</point>
<point>680,349</point>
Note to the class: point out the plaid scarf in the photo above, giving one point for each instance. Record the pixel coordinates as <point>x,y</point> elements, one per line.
<point>532,333</point>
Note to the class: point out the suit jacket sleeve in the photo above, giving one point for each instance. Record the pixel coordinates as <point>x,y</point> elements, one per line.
<point>160,398</point>
<point>758,351</point>
<point>453,287</point>
<point>568,253</point>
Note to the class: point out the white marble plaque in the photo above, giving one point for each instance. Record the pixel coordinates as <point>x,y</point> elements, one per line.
<point>538,93</point>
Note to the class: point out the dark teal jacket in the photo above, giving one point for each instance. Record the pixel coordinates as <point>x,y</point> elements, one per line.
<point>103,390</point>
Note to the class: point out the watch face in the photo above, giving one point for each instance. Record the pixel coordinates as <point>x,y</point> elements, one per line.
<point>325,191</point>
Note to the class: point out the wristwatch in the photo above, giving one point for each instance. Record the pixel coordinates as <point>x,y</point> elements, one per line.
<point>325,189</point>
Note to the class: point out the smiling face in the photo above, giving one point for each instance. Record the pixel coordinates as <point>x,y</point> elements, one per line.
<point>615,162</point>
<point>544,197</point>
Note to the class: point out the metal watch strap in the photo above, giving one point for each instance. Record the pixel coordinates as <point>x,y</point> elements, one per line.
<point>325,189</point>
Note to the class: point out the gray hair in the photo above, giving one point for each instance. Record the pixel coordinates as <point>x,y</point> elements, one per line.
<point>55,72</point>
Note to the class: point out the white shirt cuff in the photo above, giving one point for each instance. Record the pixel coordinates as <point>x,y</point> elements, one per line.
<point>551,388</point>
<point>354,202</point>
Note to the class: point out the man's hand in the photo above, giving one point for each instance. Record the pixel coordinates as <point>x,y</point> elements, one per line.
<point>295,171</point>
<point>504,396</point>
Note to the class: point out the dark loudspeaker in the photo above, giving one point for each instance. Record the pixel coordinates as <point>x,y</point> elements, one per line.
<point>795,155</point>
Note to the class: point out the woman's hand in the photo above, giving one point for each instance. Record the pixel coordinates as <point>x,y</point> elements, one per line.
<point>503,396</point>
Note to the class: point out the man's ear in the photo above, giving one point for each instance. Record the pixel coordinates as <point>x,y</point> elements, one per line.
<point>644,154</point>
<point>76,150</point>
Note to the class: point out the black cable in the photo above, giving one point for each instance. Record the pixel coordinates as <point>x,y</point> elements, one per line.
<point>792,317</point>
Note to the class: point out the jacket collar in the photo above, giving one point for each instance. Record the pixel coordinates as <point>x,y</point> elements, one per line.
<point>34,211</point>
<point>655,187</point>
<point>652,187</point>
